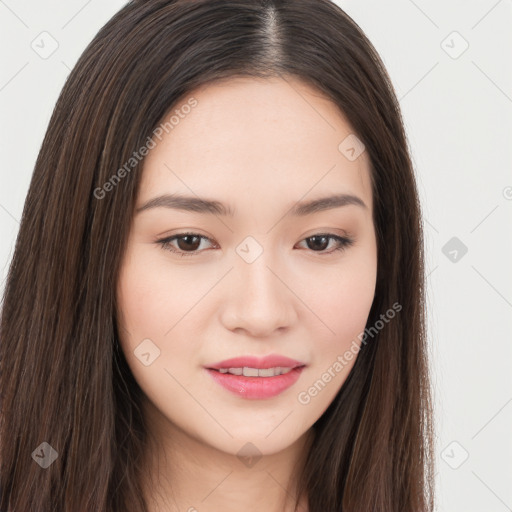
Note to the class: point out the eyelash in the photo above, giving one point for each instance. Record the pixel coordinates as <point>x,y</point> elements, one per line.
<point>165,243</point>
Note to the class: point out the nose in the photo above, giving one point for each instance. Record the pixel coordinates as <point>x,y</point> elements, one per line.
<point>260,301</point>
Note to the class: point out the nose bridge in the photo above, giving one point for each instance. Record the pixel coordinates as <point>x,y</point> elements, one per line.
<point>260,301</point>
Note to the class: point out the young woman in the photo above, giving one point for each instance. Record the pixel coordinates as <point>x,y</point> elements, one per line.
<point>216,300</point>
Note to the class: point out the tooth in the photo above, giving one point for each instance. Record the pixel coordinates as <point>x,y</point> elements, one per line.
<point>246,371</point>
<point>250,372</point>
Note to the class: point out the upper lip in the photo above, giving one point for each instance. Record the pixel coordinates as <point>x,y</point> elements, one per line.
<point>270,361</point>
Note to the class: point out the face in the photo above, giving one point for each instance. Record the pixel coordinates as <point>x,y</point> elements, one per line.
<point>258,275</point>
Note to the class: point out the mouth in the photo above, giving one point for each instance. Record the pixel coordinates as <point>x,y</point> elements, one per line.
<point>256,383</point>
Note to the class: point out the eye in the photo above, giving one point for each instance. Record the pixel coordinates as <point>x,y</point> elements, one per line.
<point>188,243</point>
<point>321,241</point>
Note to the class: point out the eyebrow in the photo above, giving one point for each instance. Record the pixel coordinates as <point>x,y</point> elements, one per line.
<point>208,206</point>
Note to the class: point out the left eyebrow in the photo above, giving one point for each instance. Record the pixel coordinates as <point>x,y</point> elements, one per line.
<point>326,203</point>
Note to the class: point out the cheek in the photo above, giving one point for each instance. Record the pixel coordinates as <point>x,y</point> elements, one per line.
<point>342,302</point>
<point>341,298</point>
<point>150,305</point>
<point>350,301</point>
<point>150,295</point>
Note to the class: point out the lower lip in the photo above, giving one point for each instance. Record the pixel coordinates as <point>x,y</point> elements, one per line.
<point>256,388</point>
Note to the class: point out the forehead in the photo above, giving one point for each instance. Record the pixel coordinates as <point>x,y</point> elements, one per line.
<point>271,139</point>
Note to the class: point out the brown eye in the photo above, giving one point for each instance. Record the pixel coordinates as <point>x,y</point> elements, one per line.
<point>187,244</point>
<point>320,242</point>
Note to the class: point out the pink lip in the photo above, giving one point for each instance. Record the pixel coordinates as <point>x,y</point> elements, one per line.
<point>257,388</point>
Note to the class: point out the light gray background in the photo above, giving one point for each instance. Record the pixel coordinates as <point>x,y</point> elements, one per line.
<point>457,108</point>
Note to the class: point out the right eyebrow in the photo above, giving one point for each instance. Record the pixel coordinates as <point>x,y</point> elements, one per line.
<point>187,203</point>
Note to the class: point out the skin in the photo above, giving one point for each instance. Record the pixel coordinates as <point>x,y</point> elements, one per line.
<point>258,146</point>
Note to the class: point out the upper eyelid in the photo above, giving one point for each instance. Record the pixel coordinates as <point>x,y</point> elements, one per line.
<point>319,233</point>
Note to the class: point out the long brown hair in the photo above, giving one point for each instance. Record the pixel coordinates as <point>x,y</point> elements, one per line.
<point>64,380</point>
